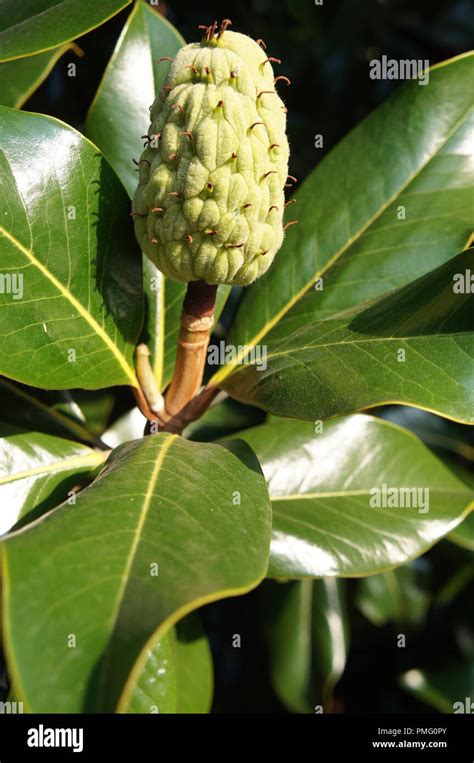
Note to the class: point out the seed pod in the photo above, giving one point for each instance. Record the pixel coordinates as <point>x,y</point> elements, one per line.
<point>219,169</point>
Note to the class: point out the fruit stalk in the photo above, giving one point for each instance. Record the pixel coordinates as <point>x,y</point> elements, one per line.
<point>197,319</point>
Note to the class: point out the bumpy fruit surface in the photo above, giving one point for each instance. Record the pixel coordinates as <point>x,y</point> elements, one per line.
<point>210,199</point>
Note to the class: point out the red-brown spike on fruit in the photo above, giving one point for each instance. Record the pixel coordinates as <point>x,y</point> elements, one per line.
<point>292,201</point>
<point>254,124</point>
<point>153,241</point>
<point>270,172</point>
<point>177,106</point>
<point>274,206</point>
<point>261,43</point>
<point>188,238</point>
<point>135,161</point>
<point>210,186</point>
<point>233,73</point>
<point>262,92</point>
<point>265,251</point>
<point>292,222</point>
<point>285,109</point>
<point>174,157</point>
<point>292,177</point>
<point>234,246</point>
<point>167,88</point>
<point>272,60</point>
<point>245,206</point>
<point>210,232</point>
<point>220,105</point>
<point>284,79</point>
<point>157,209</point>
<point>207,70</point>
<point>193,69</point>
<point>233,156</point>
<point>174,193</point>
<point>224,24</point>
<point>165,58</point>
<point>274,145</point>
<point>188,134</point>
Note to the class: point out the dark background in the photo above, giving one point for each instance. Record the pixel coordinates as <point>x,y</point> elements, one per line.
<point>325,52</point>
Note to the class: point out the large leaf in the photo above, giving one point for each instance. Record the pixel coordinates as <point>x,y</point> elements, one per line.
<point>413,152</point>
<point>66,234</point>
<point>161,505</point>
<point>178,675</point>
<point>33,26</point>
<point>37,471</point>
<point>320,485</point>
<point>19,79</point>
<point>414,346</point>
<point>308,637</point>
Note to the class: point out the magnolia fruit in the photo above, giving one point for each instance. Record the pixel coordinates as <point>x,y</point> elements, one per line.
<point>210,199</point>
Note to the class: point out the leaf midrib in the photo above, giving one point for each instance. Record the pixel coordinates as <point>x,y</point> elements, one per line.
<point>362,491</point>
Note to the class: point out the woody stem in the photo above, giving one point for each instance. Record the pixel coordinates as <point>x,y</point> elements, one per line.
<point>197,319</point>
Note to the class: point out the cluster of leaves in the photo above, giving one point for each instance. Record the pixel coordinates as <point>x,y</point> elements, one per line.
<point>141,532</point>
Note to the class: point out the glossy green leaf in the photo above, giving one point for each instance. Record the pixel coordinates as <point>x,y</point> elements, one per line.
<point>145,544</point>
<point>413,346</point>
<point>411,154</point>
<point>178,674</point>
<point>37,471</point>
<point>308,637</point>
<point>322,485</point>
<point>31,26</point>
<point>19,79</point>
<point>399,596</point>
<point>449,690</point>
<point>37,410</point>
<point>71,298</point>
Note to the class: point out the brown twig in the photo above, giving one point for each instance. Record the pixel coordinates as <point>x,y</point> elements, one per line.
<point>197,319</point>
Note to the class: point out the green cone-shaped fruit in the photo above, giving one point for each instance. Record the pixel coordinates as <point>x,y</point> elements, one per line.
<point>210,199</point>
